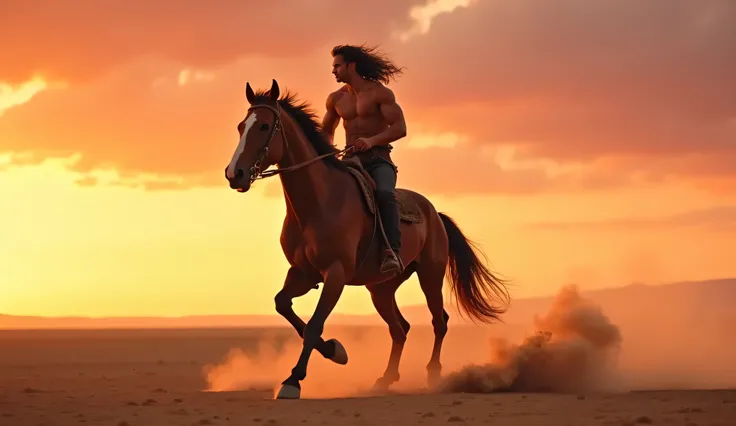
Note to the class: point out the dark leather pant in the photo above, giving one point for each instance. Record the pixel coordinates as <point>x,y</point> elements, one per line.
<point>384,174</point>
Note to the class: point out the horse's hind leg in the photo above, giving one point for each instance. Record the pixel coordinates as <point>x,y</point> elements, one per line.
<point>297,284</point>
<point>431,277</point>
<point>384,299</point>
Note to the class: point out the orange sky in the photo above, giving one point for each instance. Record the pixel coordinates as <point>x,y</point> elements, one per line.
<point>590,142</point>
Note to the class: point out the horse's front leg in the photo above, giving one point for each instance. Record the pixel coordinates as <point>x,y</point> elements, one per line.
<point>297,284</point>
<point>334,279</point>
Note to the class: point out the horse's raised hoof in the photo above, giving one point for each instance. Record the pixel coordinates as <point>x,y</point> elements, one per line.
<point>289,392</point>
<point>341,355</point>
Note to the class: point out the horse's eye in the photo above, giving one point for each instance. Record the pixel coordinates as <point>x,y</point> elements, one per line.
<point>264,127</point>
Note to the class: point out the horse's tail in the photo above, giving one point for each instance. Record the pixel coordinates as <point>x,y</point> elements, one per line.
<point>474,286</point>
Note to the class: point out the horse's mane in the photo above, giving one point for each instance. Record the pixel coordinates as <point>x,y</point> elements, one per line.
<point>306,118</point>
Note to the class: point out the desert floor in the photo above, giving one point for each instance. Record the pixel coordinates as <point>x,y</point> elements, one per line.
<point>156,378</point>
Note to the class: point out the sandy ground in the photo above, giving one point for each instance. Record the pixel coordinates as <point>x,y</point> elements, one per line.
<point>158,378</point>
<point>162,395</point>
<point>573,366</point>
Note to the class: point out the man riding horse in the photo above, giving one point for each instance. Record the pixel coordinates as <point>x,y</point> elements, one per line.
<point>372,120</point>
<point>321,244</point>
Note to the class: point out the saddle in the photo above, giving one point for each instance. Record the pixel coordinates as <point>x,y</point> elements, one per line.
<point>408,209</point>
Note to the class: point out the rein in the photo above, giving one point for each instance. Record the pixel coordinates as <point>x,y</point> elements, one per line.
<point>256,173</point>
<point>255,170</point>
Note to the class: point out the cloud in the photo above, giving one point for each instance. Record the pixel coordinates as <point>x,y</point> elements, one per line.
<point>151,89</point>
<point>14,95</point>
<point>188,76</point>
<point>576,80</point>
<point>81,40</point>
<point>585,94</point>
<point>149,118</point>
<point>450,167</point>
<point>715,218</point>
<point>423,15</point>
<point>465,169</point>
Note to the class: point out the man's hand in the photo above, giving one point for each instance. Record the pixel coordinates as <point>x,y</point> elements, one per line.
<point>364,144</point>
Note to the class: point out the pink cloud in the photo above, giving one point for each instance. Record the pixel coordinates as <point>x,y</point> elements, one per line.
<point>579,80</point>
<point>82,39</point>
<point>641,89</point>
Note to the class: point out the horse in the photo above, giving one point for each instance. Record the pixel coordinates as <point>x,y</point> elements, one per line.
<point>329,236</point>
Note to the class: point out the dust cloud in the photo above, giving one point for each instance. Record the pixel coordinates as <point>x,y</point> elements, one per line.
<point>577,345</point>
<point>266,367</point>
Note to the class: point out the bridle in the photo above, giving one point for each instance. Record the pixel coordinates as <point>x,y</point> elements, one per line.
<point>255,171</point>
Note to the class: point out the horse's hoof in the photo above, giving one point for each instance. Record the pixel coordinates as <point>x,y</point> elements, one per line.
<point>381,385</point>
<point>289,392</point>
<point>341,355</point>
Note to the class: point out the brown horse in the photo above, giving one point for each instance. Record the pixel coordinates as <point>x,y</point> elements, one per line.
<point>329,236</point>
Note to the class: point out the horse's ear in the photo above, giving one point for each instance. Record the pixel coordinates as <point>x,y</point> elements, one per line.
<point>274,91</point>
<point>249,93</point>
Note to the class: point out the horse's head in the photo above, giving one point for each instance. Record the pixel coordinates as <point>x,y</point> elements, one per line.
<point>261,139</point>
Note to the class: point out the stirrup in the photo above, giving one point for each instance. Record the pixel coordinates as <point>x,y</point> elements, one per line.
<point>390,254</point>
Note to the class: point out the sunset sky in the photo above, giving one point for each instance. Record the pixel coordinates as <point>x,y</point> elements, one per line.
<point>578,141</point>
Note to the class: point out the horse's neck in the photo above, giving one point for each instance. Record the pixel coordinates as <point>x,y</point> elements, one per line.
<point>307,190</point>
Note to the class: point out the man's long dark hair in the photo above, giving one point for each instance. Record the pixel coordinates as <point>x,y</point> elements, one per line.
<point>370,63</point>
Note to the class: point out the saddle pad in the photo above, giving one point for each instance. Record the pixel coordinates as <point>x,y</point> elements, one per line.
<point>408,209</point>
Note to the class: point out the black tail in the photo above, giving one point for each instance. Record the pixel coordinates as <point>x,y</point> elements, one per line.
<point>473,284</point>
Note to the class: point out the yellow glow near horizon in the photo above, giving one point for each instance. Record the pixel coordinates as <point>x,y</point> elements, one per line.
<point>622,200</point>
<point>111,251</point>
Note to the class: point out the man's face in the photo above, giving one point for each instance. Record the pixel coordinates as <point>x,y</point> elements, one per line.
<point>339,69</point>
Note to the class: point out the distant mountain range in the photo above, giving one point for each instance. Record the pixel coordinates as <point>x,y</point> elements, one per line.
<point>692,302</point>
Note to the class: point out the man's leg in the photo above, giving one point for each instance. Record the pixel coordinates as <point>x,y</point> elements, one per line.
<point>384,175</point>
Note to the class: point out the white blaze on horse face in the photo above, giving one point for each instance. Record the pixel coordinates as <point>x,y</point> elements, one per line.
<point>249,122</point>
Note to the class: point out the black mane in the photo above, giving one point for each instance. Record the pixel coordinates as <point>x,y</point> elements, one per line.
<point>306,118</point>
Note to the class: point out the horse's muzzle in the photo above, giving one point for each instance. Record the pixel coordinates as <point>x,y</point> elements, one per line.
<point>238,182</point>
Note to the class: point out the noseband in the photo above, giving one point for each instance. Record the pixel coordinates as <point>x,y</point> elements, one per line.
<point>255,171</point>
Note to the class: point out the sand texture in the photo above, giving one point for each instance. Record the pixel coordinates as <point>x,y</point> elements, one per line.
<point>165,394</point>
<point>571,365</point>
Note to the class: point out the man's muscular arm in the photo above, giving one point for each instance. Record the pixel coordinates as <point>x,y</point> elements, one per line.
<point>393,115</point>
<point>331,118</point>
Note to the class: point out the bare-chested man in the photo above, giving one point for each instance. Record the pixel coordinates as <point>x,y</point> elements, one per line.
<point>372,120</point>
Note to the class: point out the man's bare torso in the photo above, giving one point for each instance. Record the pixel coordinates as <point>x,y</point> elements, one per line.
<point>360,113</point>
